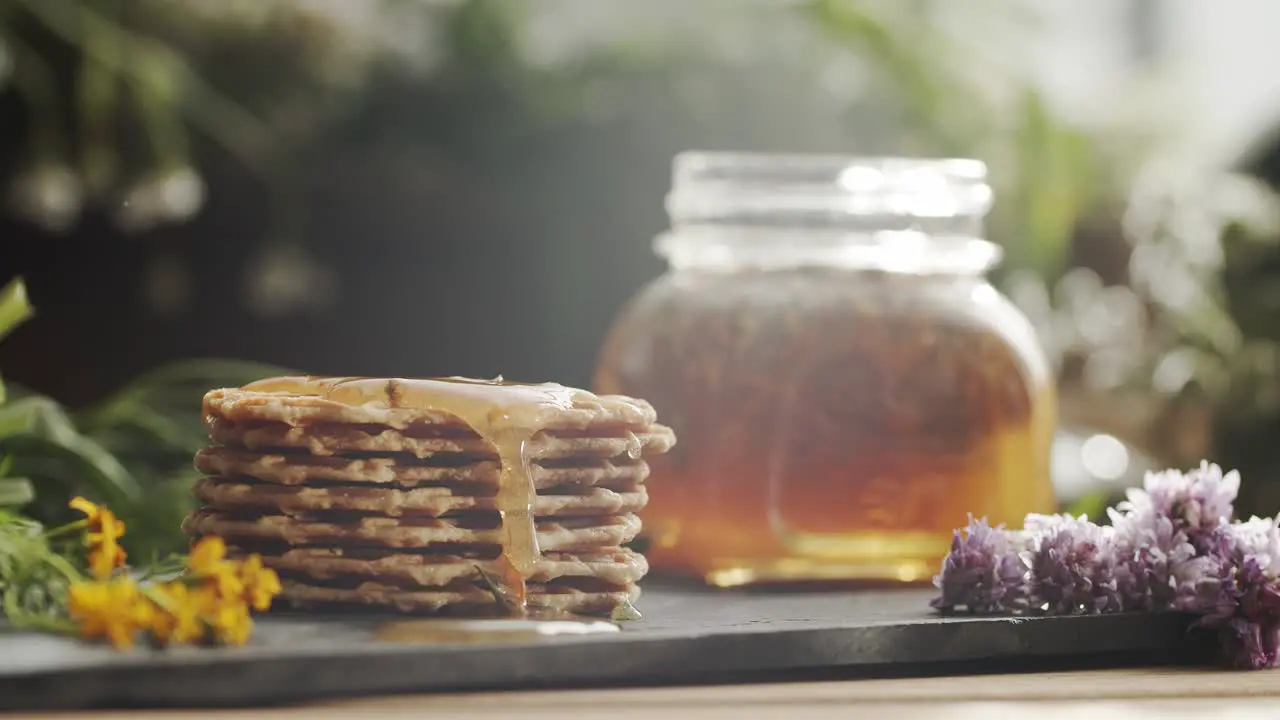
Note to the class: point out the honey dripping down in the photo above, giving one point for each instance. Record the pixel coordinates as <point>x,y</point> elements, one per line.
<point>506,415</point>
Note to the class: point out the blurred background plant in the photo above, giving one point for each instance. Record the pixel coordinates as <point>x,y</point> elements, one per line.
<point>132,451</point>
<point>424,186</point>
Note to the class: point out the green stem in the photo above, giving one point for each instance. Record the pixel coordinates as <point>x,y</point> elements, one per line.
<point>157,91</point>
<point>37,82</point>
<point>64,566</point>
<point>43,623</point>
<point>20,618</point>
<point>162,602</point>
<point>172,565</point>
<point>97,89</point>
<point>67,529</point>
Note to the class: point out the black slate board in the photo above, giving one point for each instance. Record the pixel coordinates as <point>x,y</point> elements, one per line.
<point>687,635</point>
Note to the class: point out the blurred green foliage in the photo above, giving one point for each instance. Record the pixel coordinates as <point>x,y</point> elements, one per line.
<point>132,452</point>
<point>153,69</point>
<point>1049,176</point>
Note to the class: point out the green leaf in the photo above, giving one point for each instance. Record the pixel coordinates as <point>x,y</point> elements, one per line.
<point>171,393</point>
<point>941,107</point>
<point>14,306</point>
<point>155,522</point>
<point>129,427</point>
<point>11,391</point>
<point>42,442</point>
<point>1055,162</point>
<point>33,575</point>
<point>36,414</point>
<point>15,309</point>
<point>80,466</point>
<point>203,373</point>
<point>16,491</point>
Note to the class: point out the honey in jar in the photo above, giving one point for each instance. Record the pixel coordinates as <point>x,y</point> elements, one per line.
<point>846,385</point>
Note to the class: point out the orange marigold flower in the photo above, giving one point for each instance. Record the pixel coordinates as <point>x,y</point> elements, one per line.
<point>114,610</point>
<point>231,623</point>
<point>102,538</point>
<point>261,583</point>
<point>92,511</point>
<point>208,561</point>
<point>180,612</point>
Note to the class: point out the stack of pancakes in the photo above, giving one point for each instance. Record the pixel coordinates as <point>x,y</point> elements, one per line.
<point>387,492</point>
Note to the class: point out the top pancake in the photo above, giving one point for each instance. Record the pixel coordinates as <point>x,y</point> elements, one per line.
<point>457,403</point>
<point>426,442</point>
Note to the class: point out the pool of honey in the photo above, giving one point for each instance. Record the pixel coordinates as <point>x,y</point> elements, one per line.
<point>497,630</point>
<point>833,425</point>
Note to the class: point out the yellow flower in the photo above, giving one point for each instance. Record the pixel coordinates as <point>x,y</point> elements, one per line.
<point>231,623</point>
<point>92,511</point>
<point>180,612</point>
<point>261,584</point>
<point>208,561</point>
<point>114,610</point>
<point>102,539</point>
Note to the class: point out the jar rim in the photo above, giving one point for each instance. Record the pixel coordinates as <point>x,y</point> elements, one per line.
<point>718,160</point>
<point>824,189</point>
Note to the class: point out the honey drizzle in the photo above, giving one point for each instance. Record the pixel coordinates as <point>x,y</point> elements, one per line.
<point>506,415</point>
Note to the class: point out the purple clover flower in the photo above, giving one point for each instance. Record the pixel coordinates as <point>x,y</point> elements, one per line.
<point>1246,606</point>
<point>1244,645</point>
<point>1196,501</point>
<point>1073,566</point>
<point>983,572</point>
<point>1171,545</point>
<point>1259,607</point>
<point>1154,560</point>
<point>1257,538</point>
<point>1204,586</point>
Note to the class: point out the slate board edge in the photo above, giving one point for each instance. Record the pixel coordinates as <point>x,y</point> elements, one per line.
<point>269,676</point>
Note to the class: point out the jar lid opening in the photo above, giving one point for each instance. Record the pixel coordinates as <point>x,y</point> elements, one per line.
<point>825,190</point>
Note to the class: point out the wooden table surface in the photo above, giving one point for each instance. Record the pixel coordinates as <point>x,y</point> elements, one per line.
<point>1097,695</point>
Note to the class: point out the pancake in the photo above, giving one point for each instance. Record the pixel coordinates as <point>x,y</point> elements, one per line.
<point>577,500</point>
<point>298,469</point>
<point>462,600</point>
<point>330,438</point>
<point>615,567</point>
<point>401,403</point>
<point>406,532</point>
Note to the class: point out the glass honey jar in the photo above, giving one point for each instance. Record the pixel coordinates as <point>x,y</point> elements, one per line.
<point>845,384</point>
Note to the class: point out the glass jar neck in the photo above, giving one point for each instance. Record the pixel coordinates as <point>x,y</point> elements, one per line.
<point>730,248</point>
<point>758,211</point>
